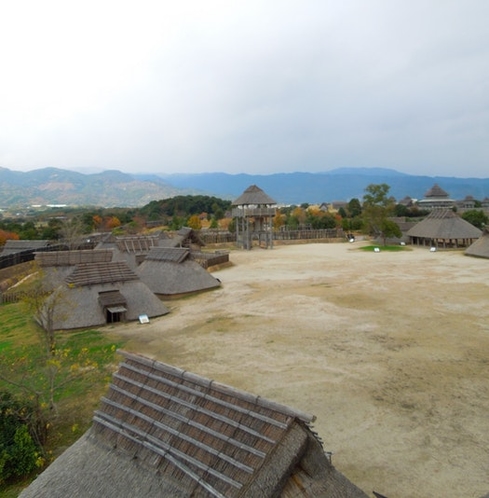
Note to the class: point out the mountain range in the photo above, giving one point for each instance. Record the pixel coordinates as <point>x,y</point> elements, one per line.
<point>52,186</point>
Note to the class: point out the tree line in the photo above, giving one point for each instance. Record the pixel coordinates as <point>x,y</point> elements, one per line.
<point>196,210</point>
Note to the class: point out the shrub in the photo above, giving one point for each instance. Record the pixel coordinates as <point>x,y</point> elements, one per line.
<point>19,454</point>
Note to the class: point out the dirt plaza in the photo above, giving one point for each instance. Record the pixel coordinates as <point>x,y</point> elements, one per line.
<point>389,350</point>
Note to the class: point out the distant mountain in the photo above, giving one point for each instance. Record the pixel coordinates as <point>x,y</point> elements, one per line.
<point>339,184</point>
<point>58,186</point>
<point>113,188</point>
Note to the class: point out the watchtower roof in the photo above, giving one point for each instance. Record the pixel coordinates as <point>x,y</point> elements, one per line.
<point>254,195</point>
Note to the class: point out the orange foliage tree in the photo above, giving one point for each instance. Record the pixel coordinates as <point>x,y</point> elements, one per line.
<point>194,222</point>
<point>4,236</point>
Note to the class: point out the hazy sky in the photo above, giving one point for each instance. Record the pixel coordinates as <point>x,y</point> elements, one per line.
<point>254,86</point>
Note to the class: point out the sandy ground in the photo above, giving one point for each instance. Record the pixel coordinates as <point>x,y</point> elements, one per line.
<point>389,350</point>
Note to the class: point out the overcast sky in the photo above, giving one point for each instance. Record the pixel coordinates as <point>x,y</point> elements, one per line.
<point>249,86</point>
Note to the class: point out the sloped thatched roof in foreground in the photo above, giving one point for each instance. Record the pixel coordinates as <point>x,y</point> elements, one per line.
<point>162,431</point>
<point>444,224</point>
<point>170,272</point>
<point>479,248</point>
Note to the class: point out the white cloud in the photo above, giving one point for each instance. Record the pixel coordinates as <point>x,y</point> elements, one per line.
<point>254,86</point>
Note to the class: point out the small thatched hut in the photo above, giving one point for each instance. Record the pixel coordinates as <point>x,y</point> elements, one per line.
<point>162,431</point>
<point>443,228</point>
<point>170,272</point>
<point>93,294</point>
<point>480,248</point>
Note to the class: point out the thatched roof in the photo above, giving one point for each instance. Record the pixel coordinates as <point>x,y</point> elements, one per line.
<point>173,254</point>
<point>82,294</point>
<point>85,306</point>
<point>137,244</point>
<point>480,248</point>
<point>162,431</point>
<point>170,272</point>
<point>14,246</point>
<point>436,192</point>
<point>444,224</point>
<point>100,273</point>
<point>254,195</point>
<point>70,258</point>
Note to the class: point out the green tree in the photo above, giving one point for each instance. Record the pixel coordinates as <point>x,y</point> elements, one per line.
<point>377,207</point>
<point>19,431</point>
<point>476,217</point>
<point>354,208</point>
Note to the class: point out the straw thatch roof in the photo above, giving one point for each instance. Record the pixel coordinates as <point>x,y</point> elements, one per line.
<point>444,224</point>
<point>480,248</point>
<point>162,431</point>
<point>436,192</point>
<point>71,258</point>
<point>15,246</point>
<point>78,301</point>
<point>170,272</point>
<point>137,244</point>
<point>254,195</point>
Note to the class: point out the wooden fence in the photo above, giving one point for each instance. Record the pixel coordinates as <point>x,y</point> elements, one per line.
<point>206,259</point>
<point>10,297</point>
<point>209,237</point>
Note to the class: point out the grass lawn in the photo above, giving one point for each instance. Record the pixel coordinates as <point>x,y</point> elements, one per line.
<point>84,362</point>
<point>391,248</point>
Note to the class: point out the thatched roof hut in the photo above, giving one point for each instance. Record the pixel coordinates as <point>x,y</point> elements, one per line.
<point>93,294</point>
<point>15,246</point>
<point>480,248</point>
<point>162,431</point>
<point>443,228</point>
<point>170,272</point>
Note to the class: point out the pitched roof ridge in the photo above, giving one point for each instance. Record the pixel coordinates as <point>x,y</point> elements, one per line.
<point>222,388</point>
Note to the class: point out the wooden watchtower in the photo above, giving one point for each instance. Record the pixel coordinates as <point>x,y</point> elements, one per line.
<point>253,212</point>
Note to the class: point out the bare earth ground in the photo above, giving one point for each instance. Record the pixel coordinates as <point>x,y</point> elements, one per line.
<point>389,350</point>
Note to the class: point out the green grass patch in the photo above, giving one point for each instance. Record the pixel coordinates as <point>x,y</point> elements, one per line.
<point>381,248</point>
<point>84,363</point>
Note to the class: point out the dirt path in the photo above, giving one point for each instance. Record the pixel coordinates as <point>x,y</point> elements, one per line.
<point>389,350</point>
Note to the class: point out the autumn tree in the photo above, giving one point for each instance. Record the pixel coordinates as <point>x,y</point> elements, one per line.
<point>194,222</point>
<point>377,207</point>
<point>5,235</point>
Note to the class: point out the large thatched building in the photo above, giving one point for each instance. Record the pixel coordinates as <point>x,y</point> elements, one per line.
<point>436,198</point>
<point>443,228</point>
<point>170,272</point>
<point>90,290</point>
<point>480,248</point>
<point>162,431</point>
<point>253,211</point>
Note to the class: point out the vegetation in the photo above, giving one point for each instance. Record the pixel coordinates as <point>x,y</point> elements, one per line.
<point>476,217</point>
<point>47,395</point>
<point>371,214</point>
<point>390,248</point>
<point>377,208</point>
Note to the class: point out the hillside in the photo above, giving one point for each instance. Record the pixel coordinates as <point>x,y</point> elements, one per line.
<point>58,186</point>
<point>340,184</point>
<point>113,188</point>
